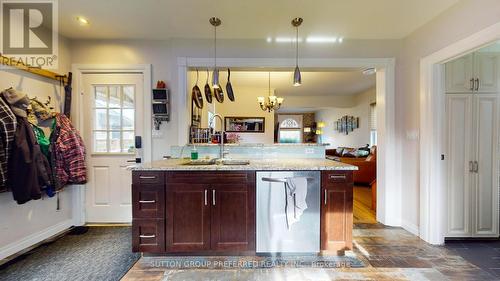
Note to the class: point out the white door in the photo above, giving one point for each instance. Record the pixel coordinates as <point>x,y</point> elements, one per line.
<point>485,188</point>
<point>486,71</point>
<point>459,74</point>
<point>459,145</point>
<point>113,117</point>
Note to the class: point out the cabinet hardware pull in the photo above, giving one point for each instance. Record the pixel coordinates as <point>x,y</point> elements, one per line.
<point>147,201</point>
<point>476,166</point>
<point>147,236</point>
<point>206,197</point>
<point>324,191</point>
<point>477,84</point>
<point>337,177</point>
<point>471,84</point>
<point>471,167</point>
<point>147,177</point>
<point>213,197</point>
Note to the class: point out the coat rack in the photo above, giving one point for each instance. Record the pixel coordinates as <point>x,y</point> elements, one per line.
<point>66,80</point>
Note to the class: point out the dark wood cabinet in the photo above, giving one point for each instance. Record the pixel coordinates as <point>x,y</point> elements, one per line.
<point>210,212</point>
<point>336,211</point>
<point>148,235</point>
<point>188,217</point>
<point>233,217</point>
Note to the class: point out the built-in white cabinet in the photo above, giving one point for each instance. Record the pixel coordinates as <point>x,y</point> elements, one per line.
<point>476,72</point>
<point>472,143</point>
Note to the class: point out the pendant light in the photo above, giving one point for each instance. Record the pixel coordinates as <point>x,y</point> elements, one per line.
<point>214,21</point>
<point>273,102</point>
<point>297,78</point>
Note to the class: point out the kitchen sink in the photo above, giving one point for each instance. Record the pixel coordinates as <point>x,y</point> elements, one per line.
<point>234,162</point>
<point>200,162</point>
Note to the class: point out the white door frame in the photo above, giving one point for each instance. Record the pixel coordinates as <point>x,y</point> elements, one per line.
<point>389,207</point>
<point>432,104</point>
<point>78,71</point>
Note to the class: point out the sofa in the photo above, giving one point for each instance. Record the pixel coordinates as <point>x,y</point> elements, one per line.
<point>367,166</point>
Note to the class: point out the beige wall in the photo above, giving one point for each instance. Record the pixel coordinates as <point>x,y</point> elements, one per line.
<point>361,109</point>
<point>20,222</point>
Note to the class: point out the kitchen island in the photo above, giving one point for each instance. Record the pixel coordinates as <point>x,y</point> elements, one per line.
<point>185,209</point>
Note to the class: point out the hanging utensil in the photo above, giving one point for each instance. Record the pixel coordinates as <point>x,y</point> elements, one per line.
<point>208,91</point>
<point>219,94</point>
<point>196,93</point>
<point>229,87</point>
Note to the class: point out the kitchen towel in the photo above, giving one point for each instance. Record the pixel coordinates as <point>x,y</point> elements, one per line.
<point>296,193</point>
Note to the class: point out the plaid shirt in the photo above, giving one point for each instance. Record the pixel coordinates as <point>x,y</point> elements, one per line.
<point>69,151</point>
<point>7,131</point>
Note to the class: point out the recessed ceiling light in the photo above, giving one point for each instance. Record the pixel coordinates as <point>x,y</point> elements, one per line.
<point>82,21</point>
<point>269,39</point>
<point>313,39</point>
<point>286,39</point>
<point>341,39</point>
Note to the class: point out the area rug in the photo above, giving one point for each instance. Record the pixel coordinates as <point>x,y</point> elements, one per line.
<point>250,262</point>
<point>102,253</point>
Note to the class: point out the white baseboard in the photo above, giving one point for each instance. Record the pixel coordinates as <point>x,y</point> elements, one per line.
<point>410,227</point>
<point>34,238</point>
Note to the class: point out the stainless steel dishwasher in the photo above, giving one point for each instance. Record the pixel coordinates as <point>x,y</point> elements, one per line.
<point>273,234</point>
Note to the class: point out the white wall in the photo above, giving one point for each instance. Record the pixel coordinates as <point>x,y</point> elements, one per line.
<point>23,225</point>
<point>357,138</point>
<point>460,21</point>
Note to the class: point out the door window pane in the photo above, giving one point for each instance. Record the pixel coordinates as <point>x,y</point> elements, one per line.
<point>113,119</point>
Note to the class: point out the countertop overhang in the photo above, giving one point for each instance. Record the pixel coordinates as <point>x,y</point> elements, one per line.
<point>255,164</point>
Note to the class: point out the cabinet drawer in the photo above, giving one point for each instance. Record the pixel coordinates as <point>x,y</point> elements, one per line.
<point>148,201</point>
<point>143,177</point>
<point>148,235</point>
<point>331,177</point>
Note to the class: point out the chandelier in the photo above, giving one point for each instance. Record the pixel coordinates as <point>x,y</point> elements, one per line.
<point>272,102</point>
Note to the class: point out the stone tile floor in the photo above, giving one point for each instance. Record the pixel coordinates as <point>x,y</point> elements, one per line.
<point>390,253</point>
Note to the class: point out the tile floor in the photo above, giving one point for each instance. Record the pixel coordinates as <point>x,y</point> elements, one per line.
<point>390,254</point>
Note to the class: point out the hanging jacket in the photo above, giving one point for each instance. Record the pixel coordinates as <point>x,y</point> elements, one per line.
<point>23,166</point>
<point>7,132</point>
<point>67,153</point>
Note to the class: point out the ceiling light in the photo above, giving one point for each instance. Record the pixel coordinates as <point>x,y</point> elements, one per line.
<point>341,39</point>
<point>82,21</point>
<point>272,103</point>
<point>297,78</point>
<point>287,40</point>
<point>214,21</point>
<point>321,39</point>
<point>369,71</point>
<point>269,39</point>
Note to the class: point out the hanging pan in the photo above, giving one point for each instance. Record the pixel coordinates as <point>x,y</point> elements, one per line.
<point>208,91</point>
<point>219,94</point>
<point>229,87</point>
<point>196,94</point>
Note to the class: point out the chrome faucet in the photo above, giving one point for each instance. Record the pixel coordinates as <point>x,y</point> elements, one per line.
<point>222,151</point>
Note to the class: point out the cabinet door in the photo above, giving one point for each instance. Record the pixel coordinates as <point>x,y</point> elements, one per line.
<point>459,155</point>
<point>459,75</point>
<point>187,217</point>
<point>486,71</point>
<point>485,189</point>
<point>233,217</point>
<point>336,212</point>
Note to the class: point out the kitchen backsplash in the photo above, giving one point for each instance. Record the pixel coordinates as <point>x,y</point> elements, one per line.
<point>253,151</point>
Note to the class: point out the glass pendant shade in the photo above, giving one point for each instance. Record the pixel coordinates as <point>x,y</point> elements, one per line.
<point>297,78</point>
<point>215,79</point>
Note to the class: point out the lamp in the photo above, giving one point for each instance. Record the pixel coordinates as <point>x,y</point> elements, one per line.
<point>272,103</point>
<point>297,78</point>
<point>215,75</point>
<point>319,130</point>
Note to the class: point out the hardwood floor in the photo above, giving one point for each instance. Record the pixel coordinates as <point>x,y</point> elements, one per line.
<point>362,211</point>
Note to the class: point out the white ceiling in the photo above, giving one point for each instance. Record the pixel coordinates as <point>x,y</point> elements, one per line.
<point>163,19</point>
<point>337,83</point>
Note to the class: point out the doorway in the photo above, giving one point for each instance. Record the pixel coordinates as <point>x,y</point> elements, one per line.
<point>388,179</point>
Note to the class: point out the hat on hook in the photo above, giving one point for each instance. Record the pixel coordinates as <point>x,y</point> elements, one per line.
<point>18,101</point>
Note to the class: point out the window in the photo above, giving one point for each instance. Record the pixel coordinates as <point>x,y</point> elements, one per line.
<point>290,128</point>
<point>114,119</point>
<point>373,124</point>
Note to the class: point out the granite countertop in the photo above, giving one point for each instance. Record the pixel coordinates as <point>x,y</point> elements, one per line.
<point>255,164</point>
